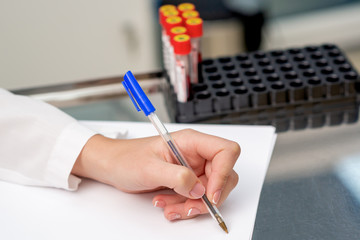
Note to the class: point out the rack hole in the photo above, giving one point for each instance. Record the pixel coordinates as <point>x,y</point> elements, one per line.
<point>334,53</point>
<point>299,57</point>
<point>264,62</point>
<point>229,67</point>
<point>203,95</point>
<point>309,73</point>
<point>250,72</point>
<point>222,93</point>
<point>211,70</point>
<point>322,62</point>
<point>327,70</point>
<point>215,77</point>
<point>291,75</point>
<point>207,62</point>
<point>278,86</point>
<point>314,81</point>
<point>259,55</point>
<point>224,60</point>
<point>259,88</point>
<point>345,68</point>
<point>294,50</point>
<point>241,90</point>
<point>304,65</point>
<point>316,55</point>
<point>242,57</point>
<point>268,69</point>
<point>351,76</point>
<point>277,53</point>
<point>282,59</point>
<point>233,75</point>
<point>218,85</point>
<point>286,67</point>
<point>339,60</point>
<point>237,83</point>
<point>311,48</point>
<point>255,80</point>
<point>296,83</point>
<point>199,88</point>
<point>332,78</point>
<point>273,78</point>
<point>246,64</point>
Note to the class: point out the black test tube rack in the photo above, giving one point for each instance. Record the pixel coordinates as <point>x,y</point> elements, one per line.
<point>291,89</point>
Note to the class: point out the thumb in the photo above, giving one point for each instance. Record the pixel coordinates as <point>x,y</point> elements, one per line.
<point>179,178</point>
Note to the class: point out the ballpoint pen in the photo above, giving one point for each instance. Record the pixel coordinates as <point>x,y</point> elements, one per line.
<point>141,102</point>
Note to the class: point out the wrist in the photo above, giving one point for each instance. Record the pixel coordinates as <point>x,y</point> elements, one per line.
<point>91,161</point>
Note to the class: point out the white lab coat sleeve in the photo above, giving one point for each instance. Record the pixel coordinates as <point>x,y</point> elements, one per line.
<point>39,144</point>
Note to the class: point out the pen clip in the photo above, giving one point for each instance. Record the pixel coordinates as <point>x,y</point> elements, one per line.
<point>137,95</point>
<point>131,96</point>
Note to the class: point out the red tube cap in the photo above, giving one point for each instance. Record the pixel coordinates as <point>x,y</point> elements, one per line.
<point>183,7</point>
<point>167,7</point>
<point>195,27</point>
<point>181,43</point>
<point>190,14</point>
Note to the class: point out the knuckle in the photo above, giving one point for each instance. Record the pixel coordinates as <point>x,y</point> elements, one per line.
<point>183,176</point>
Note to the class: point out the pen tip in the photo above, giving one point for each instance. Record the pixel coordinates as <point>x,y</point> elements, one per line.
<point>223,226</point>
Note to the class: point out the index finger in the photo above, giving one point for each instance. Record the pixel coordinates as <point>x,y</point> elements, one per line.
<point>221,153</point>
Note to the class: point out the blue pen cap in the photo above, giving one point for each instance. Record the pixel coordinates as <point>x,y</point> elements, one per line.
<point>137,95</point>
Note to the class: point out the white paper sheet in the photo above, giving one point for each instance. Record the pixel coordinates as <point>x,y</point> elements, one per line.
<point>98,211</point>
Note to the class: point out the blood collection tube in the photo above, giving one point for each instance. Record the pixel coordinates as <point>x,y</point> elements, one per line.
<point>183,7</point>
<point>182,49</point>
<point>170,23</point>
<point>173,32</point>
<point>195,31</point>
<point>165,37</point>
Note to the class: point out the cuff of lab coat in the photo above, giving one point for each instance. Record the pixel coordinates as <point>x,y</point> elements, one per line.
<point>63,157</point>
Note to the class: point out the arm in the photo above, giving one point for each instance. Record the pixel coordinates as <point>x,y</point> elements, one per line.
<point>38,143</point>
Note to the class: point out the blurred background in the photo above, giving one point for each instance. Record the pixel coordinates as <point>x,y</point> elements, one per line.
<point>54,42</point>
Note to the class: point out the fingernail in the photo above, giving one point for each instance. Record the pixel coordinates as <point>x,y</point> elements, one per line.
<point>198,191</point>
<point>193,211</point>
<point>216,196</point>
<point>159,204</point>
<point>174,216</point>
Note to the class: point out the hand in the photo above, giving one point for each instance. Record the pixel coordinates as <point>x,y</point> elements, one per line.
<point>146,164</point>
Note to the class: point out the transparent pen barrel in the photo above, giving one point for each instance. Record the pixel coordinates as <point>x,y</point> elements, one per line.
<point>168,139</point>
<point>214,212</point>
